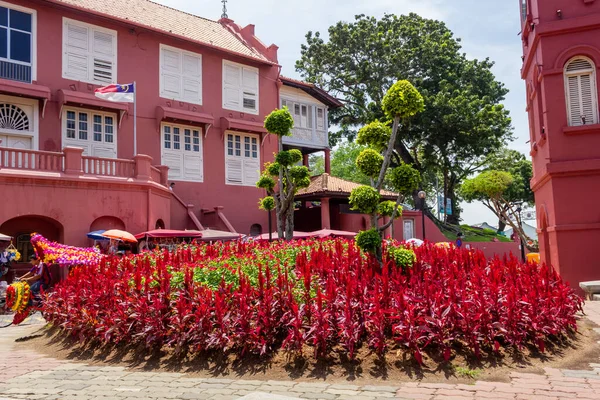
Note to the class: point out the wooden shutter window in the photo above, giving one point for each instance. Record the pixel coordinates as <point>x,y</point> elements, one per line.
<point>180,75</point>
<point>89,53</point>
<point>240,88</point>
<point>582,100</point>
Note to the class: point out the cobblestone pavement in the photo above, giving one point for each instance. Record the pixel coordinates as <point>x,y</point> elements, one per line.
<point>28,375</point>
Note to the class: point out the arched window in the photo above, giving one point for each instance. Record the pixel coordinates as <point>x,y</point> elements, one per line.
<point>582,97</point>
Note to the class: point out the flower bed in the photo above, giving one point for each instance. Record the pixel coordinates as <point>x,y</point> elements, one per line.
<point>314,296</point>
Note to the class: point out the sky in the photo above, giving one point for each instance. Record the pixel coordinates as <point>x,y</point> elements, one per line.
<point>488,28</point>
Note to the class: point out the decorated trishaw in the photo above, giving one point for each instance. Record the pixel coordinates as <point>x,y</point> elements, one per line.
<point>19,297</point>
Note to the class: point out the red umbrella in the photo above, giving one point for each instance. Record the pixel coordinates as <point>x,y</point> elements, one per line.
<point>323,233</point>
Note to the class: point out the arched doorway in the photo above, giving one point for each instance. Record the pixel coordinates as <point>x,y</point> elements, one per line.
<point>255,230</point>
<point>160,224</point>
<point>107,222</point>
<point>21,228</point>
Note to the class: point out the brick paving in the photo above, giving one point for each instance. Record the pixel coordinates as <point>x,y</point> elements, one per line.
<point>28,375</point>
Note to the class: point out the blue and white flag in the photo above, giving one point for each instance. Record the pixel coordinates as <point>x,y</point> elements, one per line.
<point>123,93</point>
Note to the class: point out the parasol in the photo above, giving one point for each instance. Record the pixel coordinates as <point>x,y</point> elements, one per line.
<point>119,234</point>
<point>97,235</point>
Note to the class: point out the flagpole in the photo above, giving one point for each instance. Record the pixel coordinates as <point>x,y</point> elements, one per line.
<point>134,118</point>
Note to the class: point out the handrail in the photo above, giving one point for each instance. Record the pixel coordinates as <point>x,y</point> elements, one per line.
<point>32,160</point>
<point>108,166</point>
<point>155,174</point>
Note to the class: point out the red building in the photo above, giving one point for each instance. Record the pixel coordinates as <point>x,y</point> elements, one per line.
<point>67,162</point>
<point>561,47</point>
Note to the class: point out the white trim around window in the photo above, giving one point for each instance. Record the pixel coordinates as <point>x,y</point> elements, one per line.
<point>89,53</point>
<point>180,75</point>
<point>94,131</point>
<point>33,36</point>
<point>240,87</point>
<point>242,158</point>
<point>181,149</point>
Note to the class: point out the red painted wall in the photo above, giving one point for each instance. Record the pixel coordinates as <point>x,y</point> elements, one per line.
<point>566,161</point>
<point>138,59</point>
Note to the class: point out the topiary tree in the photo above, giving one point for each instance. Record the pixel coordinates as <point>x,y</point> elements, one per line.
<point>495,190</point>
<point>401,102</point>
<point>283,174</point>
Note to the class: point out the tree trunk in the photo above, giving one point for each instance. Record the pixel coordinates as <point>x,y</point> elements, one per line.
<point>501,225</point>
<point>453,219</point>
<point>278,216</point>
<point>289,223</point>
<point>280,212</point>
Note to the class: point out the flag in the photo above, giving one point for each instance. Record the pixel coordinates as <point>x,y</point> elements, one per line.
<point>124,93</point>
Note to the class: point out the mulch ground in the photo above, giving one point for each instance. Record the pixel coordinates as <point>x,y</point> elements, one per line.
<point>397,366</point>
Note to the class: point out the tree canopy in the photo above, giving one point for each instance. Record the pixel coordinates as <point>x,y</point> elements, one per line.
<point>463,121</point>
<point>507,172</point>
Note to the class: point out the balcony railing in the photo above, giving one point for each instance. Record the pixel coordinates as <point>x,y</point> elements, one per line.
<point>109,167</point>
<point>308,137</point>
<point>31,160</point>
<point>72,162</point>
<point>15,72</point>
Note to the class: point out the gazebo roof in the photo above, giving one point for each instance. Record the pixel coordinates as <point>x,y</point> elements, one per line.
<point>325,185</point>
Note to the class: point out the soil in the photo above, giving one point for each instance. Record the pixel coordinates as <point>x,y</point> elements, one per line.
<point>575,352</point>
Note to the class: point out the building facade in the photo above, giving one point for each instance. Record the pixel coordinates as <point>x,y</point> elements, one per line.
<point>561,56</point>
<point>67,161</point>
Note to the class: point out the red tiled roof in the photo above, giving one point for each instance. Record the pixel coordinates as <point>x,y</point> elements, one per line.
<point>170,21</point>
<point>313,90</point>
<point>328,185</point>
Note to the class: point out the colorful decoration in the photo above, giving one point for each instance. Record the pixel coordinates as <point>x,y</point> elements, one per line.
<point>13,254</point>
<point>57,253</point>
<point>18,296</point>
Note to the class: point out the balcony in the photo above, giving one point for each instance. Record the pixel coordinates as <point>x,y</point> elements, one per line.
<point>71,163</point>
<point>64,195</point>
<point>308,138</point>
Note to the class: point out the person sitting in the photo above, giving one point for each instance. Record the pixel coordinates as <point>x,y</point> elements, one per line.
<point>38,276</point>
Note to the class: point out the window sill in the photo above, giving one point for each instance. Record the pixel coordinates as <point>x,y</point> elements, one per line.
<point>581,130</point>
<point>187,101</point>
<point>242,110</point>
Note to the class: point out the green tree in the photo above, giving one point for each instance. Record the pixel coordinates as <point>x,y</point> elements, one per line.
<point>401,102</point>
<point>343,163</point>
<point>494,189</point>
<point>283,174</point>
<point>517,193</point>
<point>463,121</point>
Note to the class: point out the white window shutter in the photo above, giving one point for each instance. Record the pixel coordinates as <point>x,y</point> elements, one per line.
<point>192,78</point>
<point>76,60</point>
<point>582,102</point>
<point>192,167</point>
<point>233,170</point>
<point>587,99</point>
<point>251,172</point>
<point>231,87</point>
<point>174,160</point>
<point>103,59</point>
<point>170,74</point>
<point>250,88</point>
